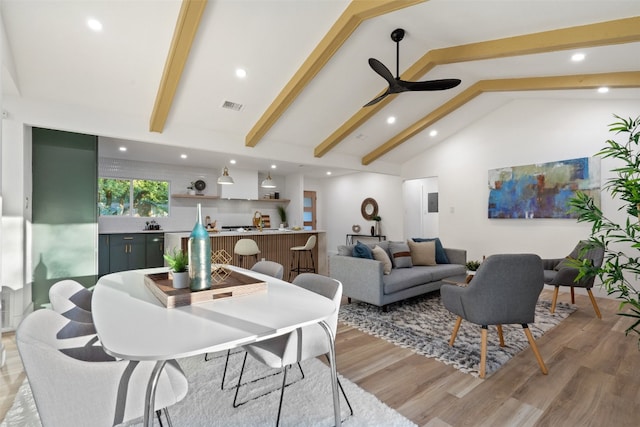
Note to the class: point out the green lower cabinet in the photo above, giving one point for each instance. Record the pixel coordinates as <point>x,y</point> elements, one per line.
<point>126,252</point>
<point>103,254</point>
<point>155,250</point>
<point>131,251</point>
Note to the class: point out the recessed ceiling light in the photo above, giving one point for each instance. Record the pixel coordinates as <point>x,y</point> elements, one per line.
<point>603,89</point>
<point>433,133</point>
<point>273,166</point>
<point>391,120</point>
<point>232,161</point>
<point>328,172</point>
<point>183,156</point>
<point>123,148</point>
<point>241,73</point>
<point>94,24</point>
<point>577,57</point>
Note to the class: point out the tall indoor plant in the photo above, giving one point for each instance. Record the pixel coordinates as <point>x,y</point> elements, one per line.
<point>621,239</point>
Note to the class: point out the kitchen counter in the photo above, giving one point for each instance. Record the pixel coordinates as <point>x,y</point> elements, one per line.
<point>275,245</point>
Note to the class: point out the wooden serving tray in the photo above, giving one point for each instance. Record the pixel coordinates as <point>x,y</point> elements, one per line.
<point>236,284</point>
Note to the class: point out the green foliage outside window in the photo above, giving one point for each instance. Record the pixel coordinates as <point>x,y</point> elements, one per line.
<point>150,198</point>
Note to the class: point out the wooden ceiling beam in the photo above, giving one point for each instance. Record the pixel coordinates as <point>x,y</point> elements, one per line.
<point>183,35</point>
<point>629,79</point>
<point>356,12</point>
<point>618,31</point>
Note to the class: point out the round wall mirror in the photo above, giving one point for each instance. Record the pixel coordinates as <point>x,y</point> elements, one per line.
<point>369,209</point>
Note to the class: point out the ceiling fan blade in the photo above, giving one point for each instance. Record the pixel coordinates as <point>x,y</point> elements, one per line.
<point>382,70</point>
<point>441,84</point>
<point>377,99</point>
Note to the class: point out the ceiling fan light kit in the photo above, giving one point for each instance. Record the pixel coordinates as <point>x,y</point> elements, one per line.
<point>396,85</point>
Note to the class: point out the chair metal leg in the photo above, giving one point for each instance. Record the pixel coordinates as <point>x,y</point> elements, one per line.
<point>284,382</point>
<point>483,351</point>
<point>166,415</point>
<point>454,333</point>
<point>594,303</point>
<point>500,335</point>
<point>224,373</point>
<point>555,299</point>
<point>235,398</point>
<point>534,347</point>
<point>158,413</point>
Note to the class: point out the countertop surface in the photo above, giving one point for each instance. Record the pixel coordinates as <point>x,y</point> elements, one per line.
<point>248,232</point>
<point>186,233</point>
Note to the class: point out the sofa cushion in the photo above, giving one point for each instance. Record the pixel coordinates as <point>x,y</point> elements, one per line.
<point>405,278</point>
<point>422,253</point>
<point>400,254</point>
<point>361,250</point>
<point>441,255</point>
<point>381,255</point>
<point>345,250</point>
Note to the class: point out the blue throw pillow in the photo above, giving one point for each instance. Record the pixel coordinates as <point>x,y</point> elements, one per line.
<point>441,255</point>
<point>360,250</point>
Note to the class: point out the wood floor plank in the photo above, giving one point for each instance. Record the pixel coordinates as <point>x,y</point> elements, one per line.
<point>592,380</point>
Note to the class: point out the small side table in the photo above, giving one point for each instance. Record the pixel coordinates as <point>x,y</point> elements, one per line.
<point>351,236</point>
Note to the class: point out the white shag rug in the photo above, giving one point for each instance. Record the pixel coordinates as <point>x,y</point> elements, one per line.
<point>424,325</point>
<point>307,402</point>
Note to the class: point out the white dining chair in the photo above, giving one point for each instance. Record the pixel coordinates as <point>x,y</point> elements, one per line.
<point>72,300</point>
<point>302,344</point>
<point>76,383</point>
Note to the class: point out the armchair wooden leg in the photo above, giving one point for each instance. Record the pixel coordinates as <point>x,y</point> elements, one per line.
<point>534,347</point>
<point>594,303</point>
<point>500,335</point>
<point>555,299</point>
<point>573,296</point>
<point>454,333</point>
<point>483,351</point>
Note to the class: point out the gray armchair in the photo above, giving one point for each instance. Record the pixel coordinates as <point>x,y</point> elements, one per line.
<point>560,272</point>
<point>504,290</point>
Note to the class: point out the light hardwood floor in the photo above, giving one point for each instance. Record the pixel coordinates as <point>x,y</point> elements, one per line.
<point>593,377</point>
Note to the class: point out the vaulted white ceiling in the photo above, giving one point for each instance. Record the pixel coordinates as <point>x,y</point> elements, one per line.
<point>107,82</point>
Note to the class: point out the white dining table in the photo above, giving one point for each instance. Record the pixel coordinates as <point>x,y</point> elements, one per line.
<point>133,324</point>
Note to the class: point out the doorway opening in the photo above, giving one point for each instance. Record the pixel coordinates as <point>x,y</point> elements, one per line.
<point>309,210</point>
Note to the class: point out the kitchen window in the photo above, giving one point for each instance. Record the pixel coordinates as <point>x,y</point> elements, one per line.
<point>133,197</point>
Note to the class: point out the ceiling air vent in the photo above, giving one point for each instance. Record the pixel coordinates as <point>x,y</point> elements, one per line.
<point>232,106</point>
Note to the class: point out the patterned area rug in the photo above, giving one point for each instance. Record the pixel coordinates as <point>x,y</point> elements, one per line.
<point>424,325</point>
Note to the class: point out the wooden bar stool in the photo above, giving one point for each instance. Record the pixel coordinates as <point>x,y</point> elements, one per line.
<point>297,252</point>
<point>246,248</point>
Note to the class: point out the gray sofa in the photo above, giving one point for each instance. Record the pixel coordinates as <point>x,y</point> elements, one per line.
<point>363,279</point>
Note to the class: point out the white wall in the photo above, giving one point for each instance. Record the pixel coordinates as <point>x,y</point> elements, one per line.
<point>418,221</point>
<point>343,198</point>
<point>522,132</point>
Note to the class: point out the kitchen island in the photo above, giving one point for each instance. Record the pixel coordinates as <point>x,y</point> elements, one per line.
<point>275,245</point>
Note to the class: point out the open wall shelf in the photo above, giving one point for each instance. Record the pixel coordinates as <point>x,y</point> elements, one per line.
<point>204,197</point>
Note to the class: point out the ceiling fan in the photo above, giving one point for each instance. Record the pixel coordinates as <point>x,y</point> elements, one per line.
<point>395,84</point>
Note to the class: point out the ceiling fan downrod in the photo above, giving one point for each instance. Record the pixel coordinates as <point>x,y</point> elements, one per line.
<point>397,35</point>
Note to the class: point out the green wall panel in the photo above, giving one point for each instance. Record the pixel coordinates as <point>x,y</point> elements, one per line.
<point>64,200</point>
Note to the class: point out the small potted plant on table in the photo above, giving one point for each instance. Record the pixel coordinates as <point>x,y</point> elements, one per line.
<point>472,266</point>
<point>178,261</point>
